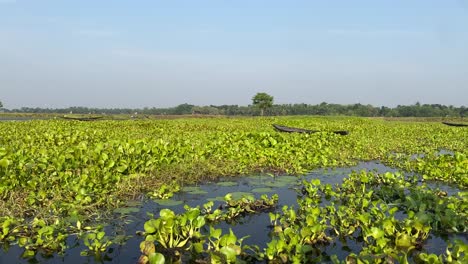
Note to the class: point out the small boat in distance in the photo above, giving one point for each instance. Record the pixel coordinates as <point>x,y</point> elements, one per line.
<point>91,118</point>
<point>307,131</point>
<point>455,124</point>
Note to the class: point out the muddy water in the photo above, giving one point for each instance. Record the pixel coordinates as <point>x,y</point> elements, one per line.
<point>253,226</point>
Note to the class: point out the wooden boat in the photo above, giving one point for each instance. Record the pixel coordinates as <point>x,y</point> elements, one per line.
<point>455,124</point>
<point>91,118</point>
<point>307,131</point>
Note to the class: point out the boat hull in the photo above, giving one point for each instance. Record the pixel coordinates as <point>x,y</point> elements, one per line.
<point>307,131</point>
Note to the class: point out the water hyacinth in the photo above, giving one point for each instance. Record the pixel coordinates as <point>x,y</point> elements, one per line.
<point>61,179</point>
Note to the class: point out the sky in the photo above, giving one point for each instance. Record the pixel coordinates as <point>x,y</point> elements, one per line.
<point>115,53</point>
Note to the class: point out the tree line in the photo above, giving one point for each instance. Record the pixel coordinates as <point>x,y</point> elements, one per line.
<point>416,110</point>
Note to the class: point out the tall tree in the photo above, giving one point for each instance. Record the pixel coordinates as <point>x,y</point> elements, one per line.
<point>1,105</point>
<point>262,101</point>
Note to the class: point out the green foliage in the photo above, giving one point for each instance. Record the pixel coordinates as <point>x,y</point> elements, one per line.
<point>174,231</point>
<point>416,110</point>
<point>235,208</point>
<point>55,173</point>
<point>447,168</point>
<point>183,232</point>
<point>165,191</point>
<point>96,241</point>
<point>263,101</point>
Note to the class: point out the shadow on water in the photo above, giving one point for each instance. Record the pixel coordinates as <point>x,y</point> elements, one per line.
<point>254,226</point>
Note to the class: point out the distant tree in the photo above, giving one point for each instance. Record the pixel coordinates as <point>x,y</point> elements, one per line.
<point>384,111</point>
<point>205,110</point>
<point>183,109</point>
<point>463,111</point>
<point>262,101</point>
<point>1,105</point>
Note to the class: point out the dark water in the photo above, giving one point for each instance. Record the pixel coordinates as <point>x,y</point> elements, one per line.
<point>253,226</point>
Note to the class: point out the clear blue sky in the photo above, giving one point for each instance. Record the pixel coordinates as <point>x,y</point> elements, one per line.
<point>164,53</point>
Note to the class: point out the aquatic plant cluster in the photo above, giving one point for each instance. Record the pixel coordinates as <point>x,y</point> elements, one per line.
<point>178,234</point>
<point>388,216</point>
<point>62,178</point>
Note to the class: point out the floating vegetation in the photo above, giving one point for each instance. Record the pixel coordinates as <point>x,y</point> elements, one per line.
<point>180,235</point>
<point>133,203</point>
<point>126,210</point>
<point>198,192</point>
<point>363,210</point>
<point>277,184</point>
<point>165,191</point>
<point>227,184</point>
<point>194,190</point>
<point>188,189</point>
<point>60,180</point>
<point>168,202</point>
<point>256,182</point>
<point>288,179</point>
<point>239,195</point>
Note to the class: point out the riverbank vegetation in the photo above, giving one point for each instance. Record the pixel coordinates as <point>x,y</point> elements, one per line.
<point>324,109</point>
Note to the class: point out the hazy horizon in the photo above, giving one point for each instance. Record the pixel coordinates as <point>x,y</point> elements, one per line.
<point>216,105</point>
<point>136,54</point>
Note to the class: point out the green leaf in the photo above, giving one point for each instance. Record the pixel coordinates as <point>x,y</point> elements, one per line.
<point>229,253</point>
<point>215,233</point>
<point>151,226</point>
<point>100,235</point>
<point>194,190</point>
<point>126,210</point>
<point>227,184</point>
<point>377,233</point>
<point>215,258</point>
<point>111,164</point>
<point>156,258</point>
<point>199,222</point>
<point>122,168</point>
<point>198,247</point>
<point>403,241</point>
<point>239,195</point>
<point>315,182</point>
<point>228,239</point>
<point>192,214</point>
<point>277,184</point>
<point>167,202</point>
<point>4,163</point>
<point>147,247</point>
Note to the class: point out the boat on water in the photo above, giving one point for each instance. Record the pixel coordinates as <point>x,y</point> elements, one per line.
<point>307,131</point>
<point>455,124</point>
<point>91,118</point>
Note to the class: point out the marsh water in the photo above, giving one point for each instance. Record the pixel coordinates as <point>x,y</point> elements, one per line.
<point>127,221</point>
